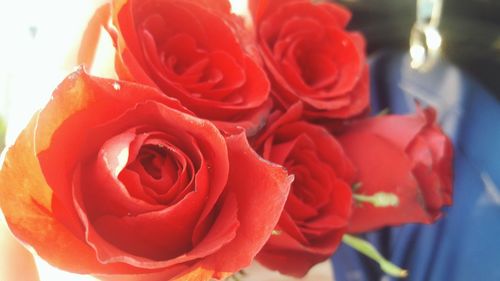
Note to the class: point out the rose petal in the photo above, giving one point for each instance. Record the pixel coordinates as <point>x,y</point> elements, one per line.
<point>260,202</point>
<point>69,113</point>
<point>383,167</point>
<point>25,199</point>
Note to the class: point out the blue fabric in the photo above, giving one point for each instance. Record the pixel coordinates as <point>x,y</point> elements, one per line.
<point>465,244</point>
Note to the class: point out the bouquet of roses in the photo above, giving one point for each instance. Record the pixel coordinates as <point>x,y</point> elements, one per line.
<point>220,142</point>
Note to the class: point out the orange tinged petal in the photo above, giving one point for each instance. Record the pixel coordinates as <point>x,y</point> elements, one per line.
<point>25,199</point>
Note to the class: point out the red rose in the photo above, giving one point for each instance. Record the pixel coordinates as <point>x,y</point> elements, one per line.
<point>408,156</point>
<point>115,179</point>
<point>319,204</point>
<point>311,57</point>
<point>197,48</point>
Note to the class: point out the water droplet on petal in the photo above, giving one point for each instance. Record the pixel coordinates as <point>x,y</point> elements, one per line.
<point>116,86</point>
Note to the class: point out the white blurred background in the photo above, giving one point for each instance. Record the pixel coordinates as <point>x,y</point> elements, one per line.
<point>38,49</point>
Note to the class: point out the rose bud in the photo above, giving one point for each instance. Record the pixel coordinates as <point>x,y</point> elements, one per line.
<point>116,180</point>
<point>319,204</point>
<point>404,170</point>
<point>311,58</point>
<point>194,51</point>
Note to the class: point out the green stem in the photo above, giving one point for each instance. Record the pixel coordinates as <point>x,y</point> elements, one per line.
<point>379,199</point>
<point>368,250</point>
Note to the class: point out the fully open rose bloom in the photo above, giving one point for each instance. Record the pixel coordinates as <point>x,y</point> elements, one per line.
<point>197,48</point>
<point>408,156</point>
<point>311,57</point>
<point>319,204</point>
<point>117,180</point>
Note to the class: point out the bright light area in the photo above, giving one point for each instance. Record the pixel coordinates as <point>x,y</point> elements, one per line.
<point>240,7</point>
<point>40,40</point>
<point>433,39</point>
<point>417,53</point>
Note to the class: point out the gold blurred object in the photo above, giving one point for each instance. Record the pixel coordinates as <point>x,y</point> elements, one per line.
<point>425,39</point>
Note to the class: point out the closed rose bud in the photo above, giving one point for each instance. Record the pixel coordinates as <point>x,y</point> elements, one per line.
<point>407,158</point>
